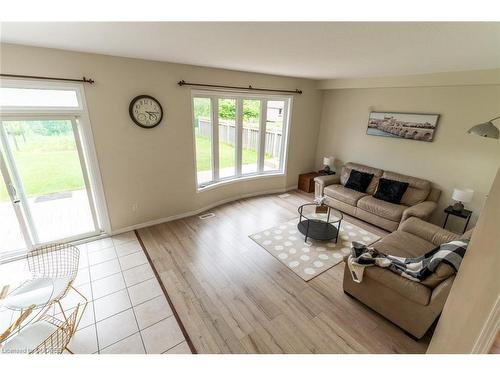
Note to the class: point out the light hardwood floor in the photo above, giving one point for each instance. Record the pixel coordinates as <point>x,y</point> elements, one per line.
<point>234,297</point>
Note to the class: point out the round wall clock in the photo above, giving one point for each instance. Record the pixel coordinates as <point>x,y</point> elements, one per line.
<point>145,111</point>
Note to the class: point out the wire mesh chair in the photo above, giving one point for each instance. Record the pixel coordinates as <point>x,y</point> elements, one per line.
<point>54,261</point>
<point>17,323</point>
<point>48,335</point>
<point>57,263</point>
<point>58,341</point>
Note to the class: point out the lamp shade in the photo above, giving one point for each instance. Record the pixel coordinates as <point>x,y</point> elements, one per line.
<point>328,160</point>
<point>486,129</point>
<point>462,195</point>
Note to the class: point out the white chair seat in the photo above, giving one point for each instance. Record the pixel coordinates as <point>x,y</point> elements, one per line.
<point>36,292</point>
<point>29,338</point>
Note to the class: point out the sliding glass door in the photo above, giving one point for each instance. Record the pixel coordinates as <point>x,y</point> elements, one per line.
<point>11,217</point>
<point>46,191</point>
<point>47,175</point>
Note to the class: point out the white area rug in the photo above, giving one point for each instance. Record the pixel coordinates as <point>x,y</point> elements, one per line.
<point>309,259</point>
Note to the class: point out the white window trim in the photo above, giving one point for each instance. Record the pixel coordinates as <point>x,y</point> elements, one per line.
<point>44,85</point>
<point>86,136</point>
<point>227,94</point>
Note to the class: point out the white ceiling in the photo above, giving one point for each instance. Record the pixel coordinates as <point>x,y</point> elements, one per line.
<point>311,50</point>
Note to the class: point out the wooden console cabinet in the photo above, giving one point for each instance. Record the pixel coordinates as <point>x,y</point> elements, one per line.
<point>306,181</point>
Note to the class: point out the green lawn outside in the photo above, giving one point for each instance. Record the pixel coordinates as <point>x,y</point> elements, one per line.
<point>55,167</point>
<point>47,172</point>
<point>46,163</point>
<point>226,155</point>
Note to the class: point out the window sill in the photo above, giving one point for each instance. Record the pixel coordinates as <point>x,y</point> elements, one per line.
<point>231,181</point>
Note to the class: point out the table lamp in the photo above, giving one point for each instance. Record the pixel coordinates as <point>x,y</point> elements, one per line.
<point>328,162</point>
<point>461,196</point>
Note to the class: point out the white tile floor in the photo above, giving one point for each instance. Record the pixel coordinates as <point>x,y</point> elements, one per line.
<point>128,312</point>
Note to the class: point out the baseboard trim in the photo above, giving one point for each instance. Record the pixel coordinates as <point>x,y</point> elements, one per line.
<point>489,332</point>
<point>199,210</point>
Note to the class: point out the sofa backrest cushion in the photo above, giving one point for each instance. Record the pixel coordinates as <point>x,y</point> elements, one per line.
<point>346,171</point>
<point>417,190</point>
<point>434,195</point>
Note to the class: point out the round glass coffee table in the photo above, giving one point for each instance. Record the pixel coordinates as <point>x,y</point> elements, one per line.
<point>319,222</point>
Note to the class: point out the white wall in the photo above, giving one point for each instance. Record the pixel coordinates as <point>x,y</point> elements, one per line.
<point>155,168</point>
<point>469,321</point>
<point>453,159</point>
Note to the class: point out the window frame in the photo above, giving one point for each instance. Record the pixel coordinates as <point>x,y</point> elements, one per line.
<point>44,85</point>
<point>240,96</point>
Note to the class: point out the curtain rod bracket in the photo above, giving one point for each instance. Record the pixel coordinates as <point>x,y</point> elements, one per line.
<point>250,87</point>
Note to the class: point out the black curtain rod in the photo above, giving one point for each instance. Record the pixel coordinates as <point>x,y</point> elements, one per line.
<point>184,83</point>
<point>83,79</point>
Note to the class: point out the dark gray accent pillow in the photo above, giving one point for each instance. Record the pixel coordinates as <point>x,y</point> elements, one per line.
<point>390,190</point>
<point>358,181</point>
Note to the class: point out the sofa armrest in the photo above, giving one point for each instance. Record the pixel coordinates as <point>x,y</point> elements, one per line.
<point>427,231</point>
<point>421,210</point>
<point>440,294</point>
<point>323,181</point>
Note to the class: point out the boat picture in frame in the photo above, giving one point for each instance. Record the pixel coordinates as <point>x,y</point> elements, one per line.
<point>417,126</point>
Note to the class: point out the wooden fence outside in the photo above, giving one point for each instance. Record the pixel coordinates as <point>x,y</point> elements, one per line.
<point>250,136</point>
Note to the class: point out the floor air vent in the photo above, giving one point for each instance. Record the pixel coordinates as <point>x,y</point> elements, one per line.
<point>207,216</point>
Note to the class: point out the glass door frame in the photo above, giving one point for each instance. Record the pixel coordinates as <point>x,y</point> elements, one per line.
<point>16,203</point>
<point>83,135</point>
<point>18,185</point>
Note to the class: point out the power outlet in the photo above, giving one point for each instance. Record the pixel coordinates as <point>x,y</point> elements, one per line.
<point>134,207</point>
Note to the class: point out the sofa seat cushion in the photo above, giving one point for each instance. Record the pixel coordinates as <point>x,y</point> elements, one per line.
<point>343,194</point>
<point>406,245</point>
<point>382,208</point>
<point>403,244</point>
<point>408,289</point>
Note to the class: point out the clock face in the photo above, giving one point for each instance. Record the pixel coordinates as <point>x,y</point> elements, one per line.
<point>145,111</point>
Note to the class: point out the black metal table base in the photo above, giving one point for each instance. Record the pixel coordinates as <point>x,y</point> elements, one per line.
<point>464,214</point>
<point>318,230</point>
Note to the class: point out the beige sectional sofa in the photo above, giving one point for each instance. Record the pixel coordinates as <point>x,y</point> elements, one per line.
<point>411,305</point>
<point>419,200</point>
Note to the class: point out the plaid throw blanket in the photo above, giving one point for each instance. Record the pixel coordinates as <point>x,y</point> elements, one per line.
<point>416,269</point>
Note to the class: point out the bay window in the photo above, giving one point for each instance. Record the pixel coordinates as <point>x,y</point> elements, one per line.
<point>239,135</point>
